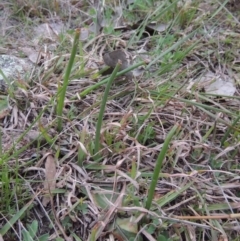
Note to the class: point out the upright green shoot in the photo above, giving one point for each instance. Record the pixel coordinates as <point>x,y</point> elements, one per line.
<point>158,166</point>
<point>62,89</point>
<point>100,117</point>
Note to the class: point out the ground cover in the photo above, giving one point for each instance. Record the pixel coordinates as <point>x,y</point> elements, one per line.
<point>150,153</point>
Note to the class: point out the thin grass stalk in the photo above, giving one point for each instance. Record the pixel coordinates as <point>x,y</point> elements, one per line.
<point>15,218</point>
<point>173,47</point>
<point>63,88</point>
<point>93,87</point>
<point>160,11</point>
<point>218,10</point>
<point>1,144</point>
<point>158,166</point>
<point>190,102</point>
<point>11,153</point>
<point>103,105</point>
<point>81,52</point>
<point>139,31</point>
<point>8,82</point>
<point>230,128</point>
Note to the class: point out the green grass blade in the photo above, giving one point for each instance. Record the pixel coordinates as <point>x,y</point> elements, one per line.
<point>63,88</point>
<point>158,166</point>
<point>174,46</point>
<point>100,117</point>
<point>14,219</point>
<point>93,87</point>
<point>10,87</point>
<point>230,128</point>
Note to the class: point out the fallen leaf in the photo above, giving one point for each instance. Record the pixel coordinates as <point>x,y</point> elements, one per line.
<point>159,27</point>
<point>111,59</point>
<point>217,84</point>
<point>50,181</point>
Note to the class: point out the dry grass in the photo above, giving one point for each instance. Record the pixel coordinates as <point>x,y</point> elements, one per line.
<point>71,194</point>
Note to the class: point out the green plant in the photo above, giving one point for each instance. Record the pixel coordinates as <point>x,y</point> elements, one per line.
<point>100,117</point>
<point>62,89</point>
<point>30,234</point>
<point>158,166</point>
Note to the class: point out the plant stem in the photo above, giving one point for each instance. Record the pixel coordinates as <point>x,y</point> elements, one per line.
<point>100,117</point>
<point>63,89</point>
<point>158,166</point>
